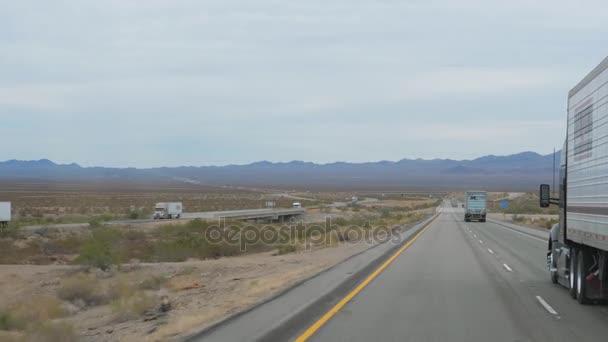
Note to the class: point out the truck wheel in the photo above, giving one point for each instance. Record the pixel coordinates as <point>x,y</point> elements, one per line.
<point>572,275</point>
<point>581,278</point>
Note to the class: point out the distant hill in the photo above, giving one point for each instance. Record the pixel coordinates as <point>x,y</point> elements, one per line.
<point>522,171</point>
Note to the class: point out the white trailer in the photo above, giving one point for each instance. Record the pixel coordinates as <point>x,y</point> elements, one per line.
<point>577,256</point>
<point>5,213</point>
<point>476,206</point>
<point>168,210</point>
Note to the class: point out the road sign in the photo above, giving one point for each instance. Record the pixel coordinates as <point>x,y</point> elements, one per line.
<point>504,204</point>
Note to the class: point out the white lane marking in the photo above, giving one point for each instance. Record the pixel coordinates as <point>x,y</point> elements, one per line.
<point>474,235</point>
<point>546,305</point>
<point>520,233</point>
<point>491,251</point>
<point>481,242</point>
<point>507,267</point>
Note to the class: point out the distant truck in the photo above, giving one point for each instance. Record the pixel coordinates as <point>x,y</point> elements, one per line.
<point>577,255</point>
<point>296,205</point>
<point>168,210</point>
<point>476,206</point>
<point>5,213</point>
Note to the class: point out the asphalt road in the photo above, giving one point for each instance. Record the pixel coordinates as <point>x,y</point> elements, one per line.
<point>465,282</point>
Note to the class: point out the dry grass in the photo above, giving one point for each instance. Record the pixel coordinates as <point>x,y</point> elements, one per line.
<point>40,308</point>
<point>31,311</point>
<point>133,306</point>
<point>82,288</point>
<point>51,332</point>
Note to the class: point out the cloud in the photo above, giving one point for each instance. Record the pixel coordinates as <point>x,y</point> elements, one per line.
<point>229,81</point>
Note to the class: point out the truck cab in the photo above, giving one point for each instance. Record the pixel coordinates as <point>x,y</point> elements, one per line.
<point>167,210</point>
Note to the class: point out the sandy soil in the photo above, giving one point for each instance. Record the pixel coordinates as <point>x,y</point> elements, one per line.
<point>200,292</point>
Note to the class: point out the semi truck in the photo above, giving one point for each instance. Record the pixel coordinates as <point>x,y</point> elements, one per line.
<point>577,255</point>
<point>168,210</point>
<point>5,214</point>
<point>476,205</point>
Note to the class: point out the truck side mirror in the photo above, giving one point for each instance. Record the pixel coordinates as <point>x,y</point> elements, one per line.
<point>545,195</point>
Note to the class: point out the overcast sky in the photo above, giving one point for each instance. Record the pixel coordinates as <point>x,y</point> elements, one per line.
<point>205,82</point>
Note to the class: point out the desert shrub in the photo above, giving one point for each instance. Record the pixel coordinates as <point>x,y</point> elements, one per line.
<point>133,306</point>
<point>134,235</point>
<point>31,311</point>
<point>121,288</point>
<point>287,248</point>
<point>96,253</point>
<point>95,222</point>
<point>99,250</point>
<point>178,242</point>
<point>141,213</point>
<point>550,223</point>
<point>385,213</point>
<point>153,283</point>
<point>172,251</point>
<point>223,249</point>
<point>40,308</point>
<point>81,288</point>
<point>68,245</point>
<point>7,319</point>
<point>340,221</point>
<point>11,231</point>
<point>517,218</point>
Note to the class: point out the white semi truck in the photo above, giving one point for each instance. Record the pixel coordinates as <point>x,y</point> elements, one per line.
<point>5,213</point>
<point>577,255</point>
<point>476,204</point>
<point>168,210</point>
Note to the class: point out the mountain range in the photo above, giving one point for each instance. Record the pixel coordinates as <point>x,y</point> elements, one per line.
<point>522,171</point>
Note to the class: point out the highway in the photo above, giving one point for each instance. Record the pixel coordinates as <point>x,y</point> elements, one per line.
<point>453,281</point>
<point>466,282</point>
<point>246,214</point>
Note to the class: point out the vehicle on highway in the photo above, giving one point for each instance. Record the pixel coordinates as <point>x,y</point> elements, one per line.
<point>578,245</point>
<point>5,213</point>
<point>296,205</point>
<point>476,206</point>
<point>168,210</point>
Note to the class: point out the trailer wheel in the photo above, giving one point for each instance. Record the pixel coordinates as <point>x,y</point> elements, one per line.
<point>581,280</point>
<point>572,273</point>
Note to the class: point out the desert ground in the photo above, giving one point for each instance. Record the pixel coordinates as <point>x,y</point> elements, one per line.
<point>165,280</point>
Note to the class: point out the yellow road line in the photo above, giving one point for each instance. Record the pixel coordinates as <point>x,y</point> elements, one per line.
<point>313,328</point>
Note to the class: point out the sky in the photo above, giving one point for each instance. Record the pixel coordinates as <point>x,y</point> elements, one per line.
<point>213,82</point>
